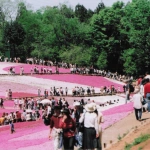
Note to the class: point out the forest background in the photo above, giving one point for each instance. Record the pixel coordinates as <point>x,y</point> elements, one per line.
<point>115,38</point>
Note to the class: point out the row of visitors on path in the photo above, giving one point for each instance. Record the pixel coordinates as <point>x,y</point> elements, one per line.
<point>76,91</point>
<point>79,91</point>
<point>47,69</point>
<point>34,70</point>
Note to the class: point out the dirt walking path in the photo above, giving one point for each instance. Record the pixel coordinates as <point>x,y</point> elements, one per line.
<point>125,131</point>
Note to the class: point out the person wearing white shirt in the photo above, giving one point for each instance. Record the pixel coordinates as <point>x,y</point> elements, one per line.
<point>16,102</point>
<point>100,121</point>
<point>91,127</point>
<point>137,104</point>
<point>48,109</point>
<point>28,116</point>
<point>20,104</point>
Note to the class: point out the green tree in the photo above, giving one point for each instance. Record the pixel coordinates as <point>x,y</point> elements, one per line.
<point>102,60</point>
<point>77,55</point>
<point>81,13</point>
<point>136,26</point>
<point>107,35</point>
<point>99,7</point>
<point>14,35</point>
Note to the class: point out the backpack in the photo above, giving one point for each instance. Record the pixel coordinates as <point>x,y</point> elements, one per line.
<point>46,121</point>
<point>131,88</point>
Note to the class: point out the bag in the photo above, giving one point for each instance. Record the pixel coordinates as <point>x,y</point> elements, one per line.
<point>144,102</point>
<point>46,120</point>
<point>81,127</point>
<point>131,88</point>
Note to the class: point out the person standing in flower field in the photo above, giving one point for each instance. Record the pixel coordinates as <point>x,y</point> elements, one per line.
<point>10,94</point>
<point>66,91</point>
<point>21,70</point>
<point>45,93</point>
<point>39,92</point>
<point>12,128</point>
<point>6,95</point>
<point>1,103</point>
<point>31,71</point>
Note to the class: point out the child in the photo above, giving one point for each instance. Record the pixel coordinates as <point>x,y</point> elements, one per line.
<point>12,129</point>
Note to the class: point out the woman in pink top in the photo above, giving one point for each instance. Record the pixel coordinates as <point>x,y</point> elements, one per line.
<point>68,126</point>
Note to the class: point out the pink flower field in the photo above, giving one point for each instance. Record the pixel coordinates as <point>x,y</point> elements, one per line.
<point>34,135</point>
<point>96,81</point>
<point>28,134</point>
<point>19,90</point>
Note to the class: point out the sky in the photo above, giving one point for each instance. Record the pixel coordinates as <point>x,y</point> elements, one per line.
<point>92,4</point>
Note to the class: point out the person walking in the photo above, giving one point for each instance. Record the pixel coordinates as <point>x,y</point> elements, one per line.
<point>129,90</point>
<point>100,121</point>
<point>68,126</point>
<point>12,128</point>
<point>66,91</point>
<point>10,94</point>
<point>55,124</point>
<point>6,95</point>
<point>137,104</point>
<point>91,127</point>
<point>147,93</point>
<point>2,103</point>
<point>39,92</point>
<point>45,93</point>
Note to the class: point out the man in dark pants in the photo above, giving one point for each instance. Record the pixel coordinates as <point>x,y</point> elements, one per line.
<point>137,104</point>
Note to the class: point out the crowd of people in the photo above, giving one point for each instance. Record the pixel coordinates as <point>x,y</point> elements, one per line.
<point>80,91</point>
<point>34,70</point>
<point>67,123</point>
<point>141,97</point>
<point>76,126</point>
<point>18,116</point>
<point>79,125</point>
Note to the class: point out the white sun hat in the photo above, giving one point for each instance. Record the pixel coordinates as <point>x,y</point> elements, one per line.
<point>90,108</point>
<point>95,105</point>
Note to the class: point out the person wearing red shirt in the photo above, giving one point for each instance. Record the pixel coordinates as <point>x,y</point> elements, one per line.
<point>55,124</point>
<point>147,89</point>
<point>18,115</point>
<point>68,126</point>
<point>139,80</point>
<point>147,93</point>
